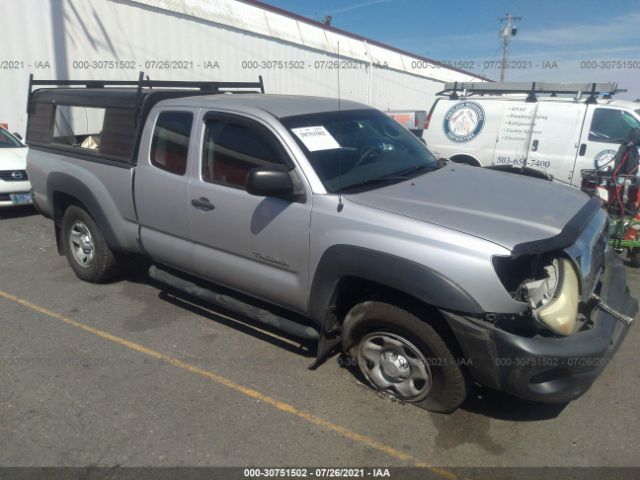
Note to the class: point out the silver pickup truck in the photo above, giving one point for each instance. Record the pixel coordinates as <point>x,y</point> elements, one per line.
<point>331,222</point>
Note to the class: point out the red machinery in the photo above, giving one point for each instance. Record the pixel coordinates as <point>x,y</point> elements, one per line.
<point>617,184</point>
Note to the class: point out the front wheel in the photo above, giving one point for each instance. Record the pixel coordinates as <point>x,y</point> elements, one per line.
<point>465,160</point>
<point>86,250</point>
<point>403,356</point>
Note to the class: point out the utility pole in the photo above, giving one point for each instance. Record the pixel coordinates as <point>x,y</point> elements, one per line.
<point>507,31</point>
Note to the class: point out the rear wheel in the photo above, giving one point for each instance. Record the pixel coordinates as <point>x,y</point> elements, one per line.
<point>403,356</point>
<point>634,257</point>
<point>86,250</point>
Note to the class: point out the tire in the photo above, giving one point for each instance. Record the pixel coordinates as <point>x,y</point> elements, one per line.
<point>389,345</point>
<point>86,250</point>
<point>634,257</point>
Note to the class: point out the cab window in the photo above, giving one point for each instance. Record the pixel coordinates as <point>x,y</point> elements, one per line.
<point>232,147</point>
<point>170,144</point>
<point>611,125</point>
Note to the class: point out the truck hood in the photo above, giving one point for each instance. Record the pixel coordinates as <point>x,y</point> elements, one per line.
<point>504,208</point>
<point>13,158</point>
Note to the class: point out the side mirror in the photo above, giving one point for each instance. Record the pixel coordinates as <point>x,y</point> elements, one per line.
<point>267,182</point>
<point>17,135</point>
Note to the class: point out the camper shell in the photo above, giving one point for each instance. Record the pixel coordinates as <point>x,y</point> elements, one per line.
<point>124,106</point>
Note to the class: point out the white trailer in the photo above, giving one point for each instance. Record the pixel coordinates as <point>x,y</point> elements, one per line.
<point>205,40</point>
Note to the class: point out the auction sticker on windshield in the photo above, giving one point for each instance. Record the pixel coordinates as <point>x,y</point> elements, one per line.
<point>316,138</point>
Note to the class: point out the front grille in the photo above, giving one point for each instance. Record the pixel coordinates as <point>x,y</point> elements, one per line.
<point>14,175</point>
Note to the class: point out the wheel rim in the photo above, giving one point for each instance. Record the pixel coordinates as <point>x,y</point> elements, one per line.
<point>394,365</point>
<point>81,244</point>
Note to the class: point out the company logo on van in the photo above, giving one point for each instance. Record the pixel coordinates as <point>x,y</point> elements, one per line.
<point>463,122</point>
<point>604,159</point>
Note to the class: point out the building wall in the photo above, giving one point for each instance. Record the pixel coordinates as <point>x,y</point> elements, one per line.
<point>202,40</point>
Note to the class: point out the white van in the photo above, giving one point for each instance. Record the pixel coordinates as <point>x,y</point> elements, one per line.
<point>531,124</point>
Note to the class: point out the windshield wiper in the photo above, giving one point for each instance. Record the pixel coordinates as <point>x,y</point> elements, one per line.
<point>372,182</point>
<point>394,177</point>
<point>415,169</point>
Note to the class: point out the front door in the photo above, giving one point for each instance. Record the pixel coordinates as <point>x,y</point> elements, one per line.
<point>258,245</point>
<point>605,128</point>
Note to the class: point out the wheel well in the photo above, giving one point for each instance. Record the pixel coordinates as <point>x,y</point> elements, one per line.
<point>466,159</point>
<point>62,201</point>
<point>353,290</point>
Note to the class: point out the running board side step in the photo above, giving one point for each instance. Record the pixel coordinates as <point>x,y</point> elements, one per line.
<point>231,303</point>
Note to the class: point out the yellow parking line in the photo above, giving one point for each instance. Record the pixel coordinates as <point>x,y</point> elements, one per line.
<point>249,392</point>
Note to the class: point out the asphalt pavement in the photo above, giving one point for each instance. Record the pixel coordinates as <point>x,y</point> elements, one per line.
<point>128,374</point>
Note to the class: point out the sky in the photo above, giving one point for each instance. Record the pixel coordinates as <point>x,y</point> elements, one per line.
<point>570,40</point>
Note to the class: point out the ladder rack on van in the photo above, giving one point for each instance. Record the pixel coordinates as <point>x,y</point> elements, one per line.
<point>453,89</point>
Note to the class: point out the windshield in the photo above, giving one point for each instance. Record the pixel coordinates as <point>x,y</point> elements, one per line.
<point>8,141</point>
<point>359,148</point>
<point>630,120</point>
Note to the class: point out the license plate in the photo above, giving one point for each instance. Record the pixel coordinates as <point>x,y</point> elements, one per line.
<point>20,198</point>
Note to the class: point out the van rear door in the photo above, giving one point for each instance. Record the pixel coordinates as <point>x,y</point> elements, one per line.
<point>555,138</point>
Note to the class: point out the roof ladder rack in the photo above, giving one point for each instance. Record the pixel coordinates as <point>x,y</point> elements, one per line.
<point>452,89</point>
<point>531,96</point>
<point>204,86</point>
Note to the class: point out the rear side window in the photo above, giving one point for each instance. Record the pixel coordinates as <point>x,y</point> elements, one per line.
<point>232,148</point>
<point>170,144</point>
<point>76,126</point>
<point>611,125</point>
<point>105,131</point>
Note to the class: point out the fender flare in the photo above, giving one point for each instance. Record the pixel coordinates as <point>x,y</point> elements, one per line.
<point>419,281</point>
<point>59,182</point>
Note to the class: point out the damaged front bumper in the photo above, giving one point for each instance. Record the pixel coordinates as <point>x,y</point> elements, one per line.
<point>546,369</point>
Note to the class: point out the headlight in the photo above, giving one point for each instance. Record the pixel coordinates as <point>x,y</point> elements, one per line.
<point>554,299</point>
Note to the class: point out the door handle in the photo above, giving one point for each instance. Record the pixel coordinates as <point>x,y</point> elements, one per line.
<point>202,204</point>
<point>583,149</point>
<point>534,146</point>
